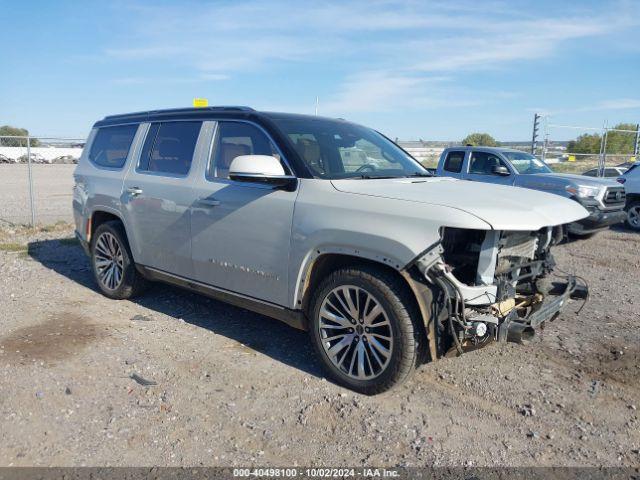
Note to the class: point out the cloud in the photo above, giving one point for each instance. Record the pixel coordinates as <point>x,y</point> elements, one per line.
<point>618,104</point>
<point>389,53</point>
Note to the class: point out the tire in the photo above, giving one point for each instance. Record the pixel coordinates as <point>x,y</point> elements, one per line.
<point>633,215</point>
<point>110,241</point>
<point>398,320</point>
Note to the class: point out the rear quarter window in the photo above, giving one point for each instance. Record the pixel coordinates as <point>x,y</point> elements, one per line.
<point>453,162</point>
<point>111,145</point>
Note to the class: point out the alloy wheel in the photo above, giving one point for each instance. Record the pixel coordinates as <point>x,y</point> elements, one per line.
<point>633,216</point>
<point>355,332</point>
<point>108,261</point>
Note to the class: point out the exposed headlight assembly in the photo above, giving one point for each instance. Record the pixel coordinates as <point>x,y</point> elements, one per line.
<point>581,191</point>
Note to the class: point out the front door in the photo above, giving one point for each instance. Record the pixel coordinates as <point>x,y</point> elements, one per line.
<point>157,195</point>
<point>481,169</point>
<point>241,231</point>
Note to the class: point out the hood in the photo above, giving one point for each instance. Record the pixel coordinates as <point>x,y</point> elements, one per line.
<point>502,207</point>
<point>568,178</point>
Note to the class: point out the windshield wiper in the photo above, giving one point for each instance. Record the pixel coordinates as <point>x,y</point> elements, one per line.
<point>421,174</point>
<point>366,176</point>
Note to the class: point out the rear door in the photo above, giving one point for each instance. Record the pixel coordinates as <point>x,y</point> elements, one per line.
<point>453,163</point>
<point>157,196</point>
<point>241,231</point>
<point>480,168</point>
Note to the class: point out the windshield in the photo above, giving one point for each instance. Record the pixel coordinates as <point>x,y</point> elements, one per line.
<point>525,163</point>
<point>335,149</point>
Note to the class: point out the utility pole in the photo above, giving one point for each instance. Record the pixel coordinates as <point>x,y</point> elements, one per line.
<point>534,137</point>
<point>317,102</point>
<point>636,147</point>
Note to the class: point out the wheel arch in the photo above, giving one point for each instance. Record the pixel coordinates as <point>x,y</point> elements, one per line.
<point>101,215</point>
<point>323,263</point>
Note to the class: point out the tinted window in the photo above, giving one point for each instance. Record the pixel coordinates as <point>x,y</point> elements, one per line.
<point>111,145</point>
<point>453,162</point>
<point>483,163</point>
<point>591,173</point>
<point>234,139</point>
<point>169,147</point>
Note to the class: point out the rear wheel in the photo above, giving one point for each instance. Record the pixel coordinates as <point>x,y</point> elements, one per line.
<point>633,215</point>
<point>112,262</point>
<point>364,329</point>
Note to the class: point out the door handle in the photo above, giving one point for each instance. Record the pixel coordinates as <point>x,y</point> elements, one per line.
<point>208,202</point>
<point>134,191</point>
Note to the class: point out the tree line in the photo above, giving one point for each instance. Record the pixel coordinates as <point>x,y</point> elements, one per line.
<point>10,131</point>
<point>617,142</point>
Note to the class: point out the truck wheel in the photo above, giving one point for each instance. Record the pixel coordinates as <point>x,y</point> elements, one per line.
<point>363,326</point>
<point>112,263</point>
<point>633,215</point>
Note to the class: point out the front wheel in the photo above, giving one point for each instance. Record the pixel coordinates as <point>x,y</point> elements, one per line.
<point>633,215</point>
<point>364,328</point>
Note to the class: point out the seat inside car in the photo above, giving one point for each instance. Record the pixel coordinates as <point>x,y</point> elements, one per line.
<point>229,151</point>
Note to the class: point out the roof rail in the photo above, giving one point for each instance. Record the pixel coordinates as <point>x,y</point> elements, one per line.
<point>222,108</point>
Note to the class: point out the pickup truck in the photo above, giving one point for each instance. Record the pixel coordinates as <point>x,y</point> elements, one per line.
<point>631,181</point>
<point>603,198</point>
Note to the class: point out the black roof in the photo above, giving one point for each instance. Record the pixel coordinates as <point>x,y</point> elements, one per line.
<point>200,113</point>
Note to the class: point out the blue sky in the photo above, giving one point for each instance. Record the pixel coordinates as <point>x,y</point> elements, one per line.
<point>412,69</point>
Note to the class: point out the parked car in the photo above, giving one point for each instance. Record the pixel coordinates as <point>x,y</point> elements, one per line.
<point>631,182</point>
<point>385,266</point>
<point>35,158</point>
<point>609,172</point>
<point>603,198</point>
<point>5,159</point>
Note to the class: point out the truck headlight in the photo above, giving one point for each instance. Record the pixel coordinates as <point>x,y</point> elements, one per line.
<point>583,192</point>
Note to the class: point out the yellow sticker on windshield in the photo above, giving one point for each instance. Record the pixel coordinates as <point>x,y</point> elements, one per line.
<point>200,102</point>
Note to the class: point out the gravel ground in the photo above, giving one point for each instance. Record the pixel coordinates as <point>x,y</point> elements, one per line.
<point>234,388</point>
<point>52,191</point>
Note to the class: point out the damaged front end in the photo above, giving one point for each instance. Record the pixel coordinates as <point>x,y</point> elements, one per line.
<point>494,285</point>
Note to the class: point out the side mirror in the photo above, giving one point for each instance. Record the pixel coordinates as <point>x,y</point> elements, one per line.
<point>260,169</point>
<point>500,170</point>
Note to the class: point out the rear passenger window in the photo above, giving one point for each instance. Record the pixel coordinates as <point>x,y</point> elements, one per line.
<point>234,139</point>
<point>453,162</point>
<point>169,147</point>
<point>111,145</point>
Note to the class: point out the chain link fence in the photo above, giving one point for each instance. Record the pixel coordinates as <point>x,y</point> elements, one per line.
<point>36,174</point>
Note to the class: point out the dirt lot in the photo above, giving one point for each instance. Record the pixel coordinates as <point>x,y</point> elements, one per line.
<point>235,388</point>
<point>52,189</point>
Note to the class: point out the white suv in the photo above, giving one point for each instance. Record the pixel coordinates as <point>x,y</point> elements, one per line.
<point>323,224</point>
<point>631,181</point>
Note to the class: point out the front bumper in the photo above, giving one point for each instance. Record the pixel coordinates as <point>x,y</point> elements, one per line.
<point>513,327</point>
<point>597,220</point>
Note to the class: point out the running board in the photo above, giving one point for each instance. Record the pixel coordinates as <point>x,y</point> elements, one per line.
<point>294,318</point>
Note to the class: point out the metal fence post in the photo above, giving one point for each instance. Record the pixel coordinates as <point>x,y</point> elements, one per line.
<point>636,146</point>
<point>31,199</point>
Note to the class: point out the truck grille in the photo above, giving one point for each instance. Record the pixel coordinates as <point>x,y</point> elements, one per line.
<point>614,196</point>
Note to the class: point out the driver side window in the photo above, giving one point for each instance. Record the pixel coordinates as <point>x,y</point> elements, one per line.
<point>234,139</point>
<point>483,163</point>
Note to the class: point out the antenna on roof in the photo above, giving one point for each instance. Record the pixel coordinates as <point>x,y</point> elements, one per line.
<point>317,102</point>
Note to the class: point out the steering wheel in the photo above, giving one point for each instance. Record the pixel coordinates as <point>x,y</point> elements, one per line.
<point>368,167</point>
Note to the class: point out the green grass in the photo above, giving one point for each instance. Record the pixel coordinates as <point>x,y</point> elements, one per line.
<point>13,247</point>
<point>574,167</point>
